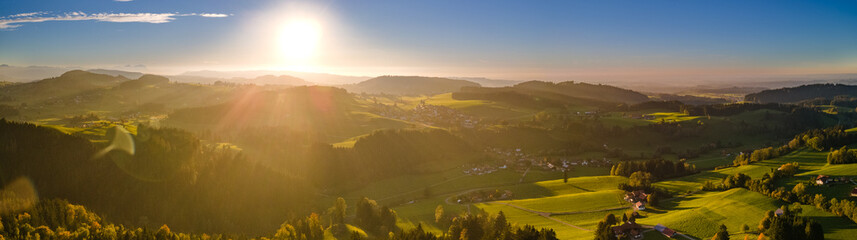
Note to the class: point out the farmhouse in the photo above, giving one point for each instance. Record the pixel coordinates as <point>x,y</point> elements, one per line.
<point>630,229</point>
<point>636,196</point>
<point>665,230</point>
<point>779,212</point>
<point>822,179</point>
<point>640,206</point>
<point>854,192</point>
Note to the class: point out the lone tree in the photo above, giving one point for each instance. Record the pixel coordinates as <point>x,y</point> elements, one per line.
<point>640,179</point>
<point>438,213</point>
<point>722,234</point>
<point>339,211</point>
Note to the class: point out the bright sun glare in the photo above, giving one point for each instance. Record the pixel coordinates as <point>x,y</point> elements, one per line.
<point>299,39</point>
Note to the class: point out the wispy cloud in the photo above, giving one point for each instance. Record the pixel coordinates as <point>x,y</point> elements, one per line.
<point>29,14</point>
<point>216,15</point>
<point>122,0</point>
<point>15,21</point>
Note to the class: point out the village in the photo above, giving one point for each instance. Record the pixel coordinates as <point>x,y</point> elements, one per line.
<point>520,161</point>
<point>428,114</point>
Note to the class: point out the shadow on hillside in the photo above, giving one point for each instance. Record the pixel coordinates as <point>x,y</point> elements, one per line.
<point>584,189</point>
<point>829,221</point>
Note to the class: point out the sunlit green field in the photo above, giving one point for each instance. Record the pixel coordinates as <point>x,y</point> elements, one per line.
<point>399,191</point>
<point>670,117</point>
<point>809,160</point>
<point>698,215</point>
<point>575,202</point>
<point>481,108</point>
<point>520,217</point>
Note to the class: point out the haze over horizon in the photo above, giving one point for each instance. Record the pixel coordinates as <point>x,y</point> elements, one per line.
<point>583,41</point>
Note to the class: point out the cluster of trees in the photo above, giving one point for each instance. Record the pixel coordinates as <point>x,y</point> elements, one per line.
<point>761,155</point>
<point>643,181</point>
<point>842,156</point>
<point>488,227</point>
<point>308,228</point>
<point>841,207</point>
<point>823,139</point>
<point>818,139</point>
<point>373,218</point>
<point>789,225</point>
<point>603,230</point>
<point>57,219</point>
<point>659,168</point>
<point>764,185</point>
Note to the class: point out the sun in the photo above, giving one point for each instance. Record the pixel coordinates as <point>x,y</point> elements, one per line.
<point>298,40</point>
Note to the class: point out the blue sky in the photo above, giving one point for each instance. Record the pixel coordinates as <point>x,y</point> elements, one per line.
<point>552,40</point>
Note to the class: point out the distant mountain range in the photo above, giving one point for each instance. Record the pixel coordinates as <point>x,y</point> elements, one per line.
<point>734,86</point>
<point>31,73</point>
<point>316,78</point>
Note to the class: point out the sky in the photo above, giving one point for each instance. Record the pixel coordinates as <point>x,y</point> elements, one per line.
<point>520,40</point>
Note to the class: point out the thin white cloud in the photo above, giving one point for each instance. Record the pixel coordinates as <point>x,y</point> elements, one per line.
<point>29,14</point>
<point>122,0</point>
<point>15,21</point>
<point>214,15</point>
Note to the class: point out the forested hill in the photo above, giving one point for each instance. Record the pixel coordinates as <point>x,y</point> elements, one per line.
<point>538,94</point>
<point>409,85</point>
<point>171,179</point>
<point>801,93</point>
<point>596,92</point>
<point>310,108</point>
<point>68,83</point>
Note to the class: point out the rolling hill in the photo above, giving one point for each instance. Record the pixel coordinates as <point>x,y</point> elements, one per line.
<point>801,93</point>
<point>409,85</point>
<point>540,95</point>
<point>71,82</point>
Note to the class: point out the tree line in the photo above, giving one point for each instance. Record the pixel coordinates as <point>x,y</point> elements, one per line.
<point>659,168</point>
<point>58,219</point>
<point>816,139</point>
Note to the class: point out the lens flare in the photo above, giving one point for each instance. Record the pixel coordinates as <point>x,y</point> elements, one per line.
<point>18,195</point>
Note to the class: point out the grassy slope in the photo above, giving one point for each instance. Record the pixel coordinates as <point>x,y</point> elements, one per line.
<point>482,108</point>
<point>520,217</point>
<point>696,213</point>
<point>575,202</point>
<point>699,214</point>
<point>579,194</point>
<point>397,192</point>
<point>808,159</point>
